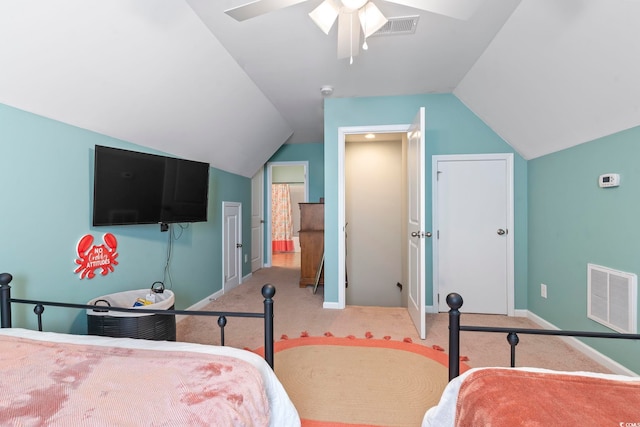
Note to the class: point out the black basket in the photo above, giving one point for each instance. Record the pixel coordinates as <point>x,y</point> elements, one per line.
<point>158,327</point>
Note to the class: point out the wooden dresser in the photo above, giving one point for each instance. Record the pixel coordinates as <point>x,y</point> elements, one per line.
<point>311,242</point>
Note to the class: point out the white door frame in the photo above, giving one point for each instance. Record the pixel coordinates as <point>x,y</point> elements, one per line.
<point>257,214</point>
<point>508,157</point>
<point>342,134</point>
<point>270,165</point>
<point>239,240</point>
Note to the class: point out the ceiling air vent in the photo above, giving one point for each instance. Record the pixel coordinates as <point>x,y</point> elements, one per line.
<point>398,25</point>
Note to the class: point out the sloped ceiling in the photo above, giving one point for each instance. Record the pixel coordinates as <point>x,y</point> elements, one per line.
<point>182,77</point>
<point>145,71</point>
<point>558,74</point>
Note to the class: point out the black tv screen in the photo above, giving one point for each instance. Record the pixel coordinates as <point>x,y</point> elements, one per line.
<point>140,188</point>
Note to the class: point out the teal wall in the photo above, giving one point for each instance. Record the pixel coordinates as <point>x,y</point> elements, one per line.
<point>572,222</point>
<point>46,181</point>
<point>312,153</point>
<point>451,129</point>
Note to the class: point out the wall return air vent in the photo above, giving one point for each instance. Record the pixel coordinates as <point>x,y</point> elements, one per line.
<point>612,298</point>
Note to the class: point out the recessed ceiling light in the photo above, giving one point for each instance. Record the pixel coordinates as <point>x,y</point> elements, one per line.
<point>370,136</point>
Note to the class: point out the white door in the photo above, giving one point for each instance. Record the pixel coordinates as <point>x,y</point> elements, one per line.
<point>257,220</point>
<point>474,231</point>
<point>231,245</point>
<point>416,222</point>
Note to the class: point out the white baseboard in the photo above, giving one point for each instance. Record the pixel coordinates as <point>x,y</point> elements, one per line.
<point>333,305</point>
<point>521,313</point>
<point>201,304</point>
<point>588,351</point>
<point>432,309</point>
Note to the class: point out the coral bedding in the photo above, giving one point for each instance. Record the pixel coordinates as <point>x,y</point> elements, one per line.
<point>57,379</point>
<point>500,397</point>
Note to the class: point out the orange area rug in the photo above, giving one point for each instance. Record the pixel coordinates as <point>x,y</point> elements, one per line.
<point>349,382</point>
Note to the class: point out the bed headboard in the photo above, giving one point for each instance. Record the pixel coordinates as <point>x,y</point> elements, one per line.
<point>268,291</point>
<point>455,301</point>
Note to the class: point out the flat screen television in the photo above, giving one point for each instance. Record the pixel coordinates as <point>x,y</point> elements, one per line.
<point>139,188</point>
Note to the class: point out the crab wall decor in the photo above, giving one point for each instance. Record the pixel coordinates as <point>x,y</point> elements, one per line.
<point>97,256</point>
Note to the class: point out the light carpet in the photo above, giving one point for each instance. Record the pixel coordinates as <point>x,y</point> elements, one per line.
<point>360,382</point>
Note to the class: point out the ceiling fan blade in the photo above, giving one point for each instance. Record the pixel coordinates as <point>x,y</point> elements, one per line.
<point>371,19</point>
<point>348,34</point>
<point>458,9</point>
<point>325,15</point>
<point>259,7</point>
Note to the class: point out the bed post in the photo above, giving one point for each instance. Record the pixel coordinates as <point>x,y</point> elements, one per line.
<point>5,300</point>
<point>454,301</point>
<point>268,291</point>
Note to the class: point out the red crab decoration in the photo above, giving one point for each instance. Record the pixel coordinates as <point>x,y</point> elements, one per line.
<point>96,256</point>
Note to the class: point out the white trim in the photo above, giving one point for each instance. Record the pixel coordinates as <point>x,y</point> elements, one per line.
<point>520,313</point>
<point>268,259</point>
<point>508,157</point>
<point>200,304</point>
<point>203,302</point>
<point>583,348</point>
<point>342,133</point>
<point>332,305</point>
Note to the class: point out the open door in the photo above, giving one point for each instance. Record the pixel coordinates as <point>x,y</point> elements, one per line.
<point>416,222</point>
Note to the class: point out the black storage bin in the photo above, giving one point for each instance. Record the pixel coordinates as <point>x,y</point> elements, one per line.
<point>158,327</point>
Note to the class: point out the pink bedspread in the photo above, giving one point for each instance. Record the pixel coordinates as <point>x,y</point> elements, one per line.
<point>46,383</point>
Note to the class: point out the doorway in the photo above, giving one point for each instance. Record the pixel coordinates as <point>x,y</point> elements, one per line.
<point>287,184</point>
<point>473,221</point>
<point>344,133</point>
<point>374,211</point>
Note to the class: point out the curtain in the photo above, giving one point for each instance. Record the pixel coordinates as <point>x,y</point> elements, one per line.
<point>281,223</point>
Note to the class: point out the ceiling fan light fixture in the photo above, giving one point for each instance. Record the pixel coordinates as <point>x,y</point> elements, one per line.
<point>371,19</point>
<point>325,15</point>
<point>354,4</point>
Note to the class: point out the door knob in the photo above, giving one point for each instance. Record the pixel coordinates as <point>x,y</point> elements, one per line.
<point>420,234</point>
<point>238,245</point>
<point>501,232</point>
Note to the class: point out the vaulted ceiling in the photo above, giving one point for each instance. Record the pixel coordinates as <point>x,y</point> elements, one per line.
<point>183,77</point>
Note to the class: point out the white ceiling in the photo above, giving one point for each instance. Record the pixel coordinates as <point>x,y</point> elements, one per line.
<point>183,77</point>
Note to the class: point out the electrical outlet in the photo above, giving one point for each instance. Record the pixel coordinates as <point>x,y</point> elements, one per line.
<point>543,290</point>
<point>246,258</point>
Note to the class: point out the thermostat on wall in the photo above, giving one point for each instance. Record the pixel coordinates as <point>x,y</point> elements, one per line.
<point>609,180</point>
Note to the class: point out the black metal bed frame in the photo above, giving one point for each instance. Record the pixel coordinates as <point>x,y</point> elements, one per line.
<point>268,291</point>
<point>454,301</point>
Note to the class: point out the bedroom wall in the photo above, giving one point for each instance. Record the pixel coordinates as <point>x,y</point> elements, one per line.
<point>572,222</point>
<point>451,129</point>
<point>314,154</point>
<point>46,177</point>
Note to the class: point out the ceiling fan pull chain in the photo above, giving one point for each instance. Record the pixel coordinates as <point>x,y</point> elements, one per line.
<point>351,39</point>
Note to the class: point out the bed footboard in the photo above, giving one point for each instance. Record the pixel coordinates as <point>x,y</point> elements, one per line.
<point>268,292</point>
<point>455,301</point>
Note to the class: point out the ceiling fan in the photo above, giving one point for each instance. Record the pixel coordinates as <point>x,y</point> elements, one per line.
<point>356,18</point>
